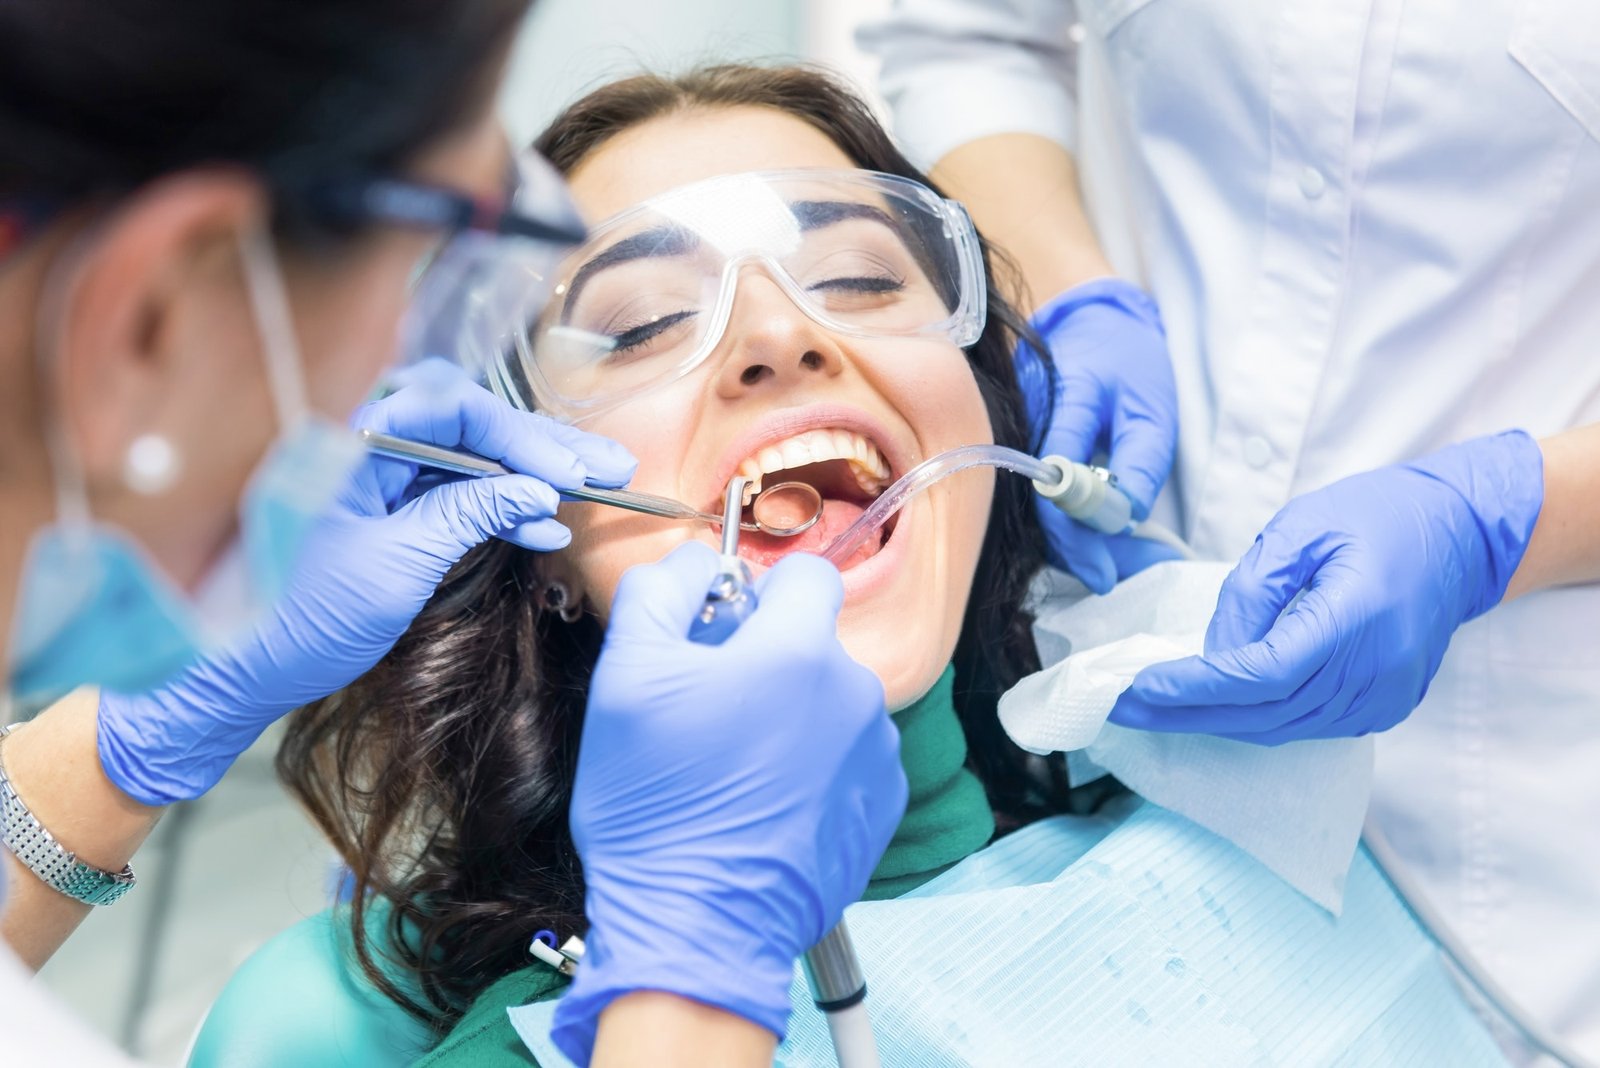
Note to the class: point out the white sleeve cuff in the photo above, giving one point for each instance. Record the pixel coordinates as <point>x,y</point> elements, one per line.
<point>946,105</point>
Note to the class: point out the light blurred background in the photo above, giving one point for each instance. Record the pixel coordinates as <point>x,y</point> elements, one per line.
<point>570,46</point>
<point>226,873</point>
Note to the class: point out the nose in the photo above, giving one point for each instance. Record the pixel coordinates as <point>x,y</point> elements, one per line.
<point>770,343</point>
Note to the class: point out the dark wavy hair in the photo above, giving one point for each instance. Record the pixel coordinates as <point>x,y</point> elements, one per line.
<point>443,775</point>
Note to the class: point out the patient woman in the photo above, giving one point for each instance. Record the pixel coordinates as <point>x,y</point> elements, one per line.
<point>759,305</point>
<point>443,776</point>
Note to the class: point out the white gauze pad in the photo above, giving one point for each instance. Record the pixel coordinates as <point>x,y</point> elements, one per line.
<point>1065,707</point>
<point>1297,807</point>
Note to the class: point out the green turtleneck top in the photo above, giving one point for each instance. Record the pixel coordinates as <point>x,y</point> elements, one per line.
<point>947,814</point>
<point>947,818</point>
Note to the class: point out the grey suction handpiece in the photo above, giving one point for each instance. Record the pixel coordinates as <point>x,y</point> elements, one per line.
<point>840,990</point>
<point>833,972</point>
<point>1088,494</point>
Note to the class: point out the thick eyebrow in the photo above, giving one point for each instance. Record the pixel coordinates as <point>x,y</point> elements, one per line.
<point>656,241</point>
<point>816,214</point>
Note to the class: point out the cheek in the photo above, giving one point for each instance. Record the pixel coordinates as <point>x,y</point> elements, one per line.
<point>606,542</point>
<point>944,406</point>
<point>907,631</point>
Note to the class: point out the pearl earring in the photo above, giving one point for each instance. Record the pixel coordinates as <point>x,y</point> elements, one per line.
<point>151,465</point>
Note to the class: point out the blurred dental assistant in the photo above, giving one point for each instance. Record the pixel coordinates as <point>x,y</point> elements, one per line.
<point>1372,228</point>
<point>216,222</point>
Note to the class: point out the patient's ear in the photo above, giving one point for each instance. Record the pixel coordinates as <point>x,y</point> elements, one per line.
<point>559,591</point>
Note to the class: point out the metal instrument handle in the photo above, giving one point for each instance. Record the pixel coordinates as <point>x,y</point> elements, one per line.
<point>465,463</point>
<point>732,598</point>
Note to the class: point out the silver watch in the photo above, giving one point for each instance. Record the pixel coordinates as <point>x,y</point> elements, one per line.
<point>41,854</point>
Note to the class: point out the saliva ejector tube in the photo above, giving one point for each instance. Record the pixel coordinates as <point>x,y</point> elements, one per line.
<point>1087,493</point>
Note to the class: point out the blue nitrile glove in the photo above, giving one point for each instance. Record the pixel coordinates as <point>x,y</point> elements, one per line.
<point>1385,566</point>
<point>730,799</point>
<point>1114,394</point>
<point>366,571</point>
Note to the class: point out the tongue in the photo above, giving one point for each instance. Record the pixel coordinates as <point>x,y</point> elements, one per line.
<point>837,515</point>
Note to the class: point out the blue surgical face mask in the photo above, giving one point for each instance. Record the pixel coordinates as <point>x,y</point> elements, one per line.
<point>95,609</point>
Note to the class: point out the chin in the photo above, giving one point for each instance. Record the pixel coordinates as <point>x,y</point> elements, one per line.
<point>904,678</point>
<point>904,607</point>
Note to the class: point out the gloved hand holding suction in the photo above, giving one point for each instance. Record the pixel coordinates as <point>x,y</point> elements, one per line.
<point>730,799</point>
<point>1114,392</point>
<point>367,571</point>
<point>1335,621</point>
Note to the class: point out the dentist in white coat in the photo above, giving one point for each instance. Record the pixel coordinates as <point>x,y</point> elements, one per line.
<point>1372,229</point>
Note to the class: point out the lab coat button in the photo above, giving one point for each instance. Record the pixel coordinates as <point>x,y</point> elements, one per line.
<point>1257,452</point>
<point>1312,183</point>
<point>1076,33</point>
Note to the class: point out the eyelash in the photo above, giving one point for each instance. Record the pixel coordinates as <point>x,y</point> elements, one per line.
<point>647,332</point>
<point>639,335</point>
<point>860,285</point>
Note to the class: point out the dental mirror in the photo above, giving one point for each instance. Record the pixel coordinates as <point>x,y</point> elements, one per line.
<point>787,509</point>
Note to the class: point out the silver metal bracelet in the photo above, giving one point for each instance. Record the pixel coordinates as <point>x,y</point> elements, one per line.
<point>40,853</point>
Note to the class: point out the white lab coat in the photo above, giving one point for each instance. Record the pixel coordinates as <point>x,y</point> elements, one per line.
<point>37,1029</point>
<point>1373,227</point>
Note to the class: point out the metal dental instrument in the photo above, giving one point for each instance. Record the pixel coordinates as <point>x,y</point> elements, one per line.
<point>471,465</point>
<point>732,597</point>
<point>832,970</point>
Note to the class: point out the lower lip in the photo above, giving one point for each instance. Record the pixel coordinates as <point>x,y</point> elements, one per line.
<point>874,572</point>
<point>866,577</point>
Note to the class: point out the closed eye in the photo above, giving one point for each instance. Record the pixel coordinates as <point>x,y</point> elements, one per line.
<point>858,285</point>
<point>643,334</point>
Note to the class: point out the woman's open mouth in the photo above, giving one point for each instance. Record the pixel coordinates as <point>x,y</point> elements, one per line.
<point>846,468</point>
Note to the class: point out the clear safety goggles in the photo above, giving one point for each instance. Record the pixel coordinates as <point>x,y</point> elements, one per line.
<point>647,298</point>
<point>491,267</point>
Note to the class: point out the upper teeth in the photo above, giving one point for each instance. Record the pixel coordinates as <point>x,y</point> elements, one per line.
<point>867,464</point>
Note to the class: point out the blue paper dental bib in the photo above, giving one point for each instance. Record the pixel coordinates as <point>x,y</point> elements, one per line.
<point>1139,940</point>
